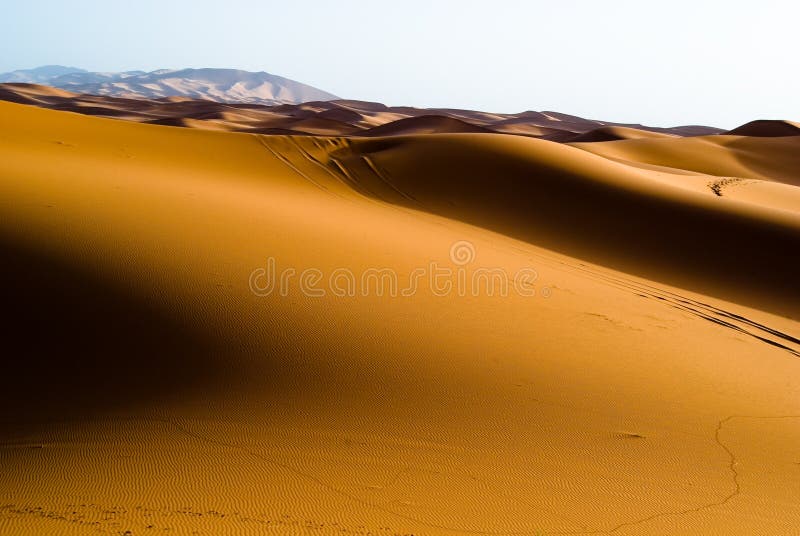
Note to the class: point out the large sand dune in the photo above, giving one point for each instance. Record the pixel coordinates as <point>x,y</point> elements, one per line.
<point>648,386</point>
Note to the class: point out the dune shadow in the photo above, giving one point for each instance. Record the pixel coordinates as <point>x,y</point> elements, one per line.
<point>743,259</point>
<point>76,345</point>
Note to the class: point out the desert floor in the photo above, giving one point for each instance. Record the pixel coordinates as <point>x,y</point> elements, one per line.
<point>642,378</point>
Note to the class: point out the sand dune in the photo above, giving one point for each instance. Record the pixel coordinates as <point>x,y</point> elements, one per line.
<point>646,387</point>
<point>424,124</point>
<point>767,128</point>
<point>338,117</point>
<point>544,193</point>
<point>34,94</point>
<point>758,158</point>
<point>617,133</point>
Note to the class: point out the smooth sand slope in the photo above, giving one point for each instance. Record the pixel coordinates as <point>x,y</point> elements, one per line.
<point>649,386</point>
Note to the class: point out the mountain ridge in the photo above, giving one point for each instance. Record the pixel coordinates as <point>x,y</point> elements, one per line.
<point>217,84</point>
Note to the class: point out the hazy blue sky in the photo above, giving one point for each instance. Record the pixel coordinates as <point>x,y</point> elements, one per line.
<point>658,62</point>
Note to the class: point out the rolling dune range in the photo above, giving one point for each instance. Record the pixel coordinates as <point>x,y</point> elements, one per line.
<point>648,386</point>
<point>336,117</point>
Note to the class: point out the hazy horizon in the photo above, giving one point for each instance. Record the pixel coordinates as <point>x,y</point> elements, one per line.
<point>714,63</point>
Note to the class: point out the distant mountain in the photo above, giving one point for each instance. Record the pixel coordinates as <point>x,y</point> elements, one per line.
<point>39,75</point>
<point>222,85</point>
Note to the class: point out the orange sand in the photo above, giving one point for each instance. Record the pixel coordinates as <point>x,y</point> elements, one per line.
<point>648,387</point>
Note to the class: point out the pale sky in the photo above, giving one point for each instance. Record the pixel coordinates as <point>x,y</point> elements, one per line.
<point>662,63</point>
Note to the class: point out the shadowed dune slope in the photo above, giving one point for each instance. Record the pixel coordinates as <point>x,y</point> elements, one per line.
<point>767,128</point>
<point>616,133</point>
<point>77,345</point>
<point>576,203</point>
<point>33,94</point>
<point>157,379</point>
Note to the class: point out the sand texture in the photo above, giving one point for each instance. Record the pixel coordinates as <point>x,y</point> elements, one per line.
<point>647,382</point>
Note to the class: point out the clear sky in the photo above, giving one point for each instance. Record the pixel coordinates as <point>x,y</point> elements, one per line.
<point>662,63</point>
